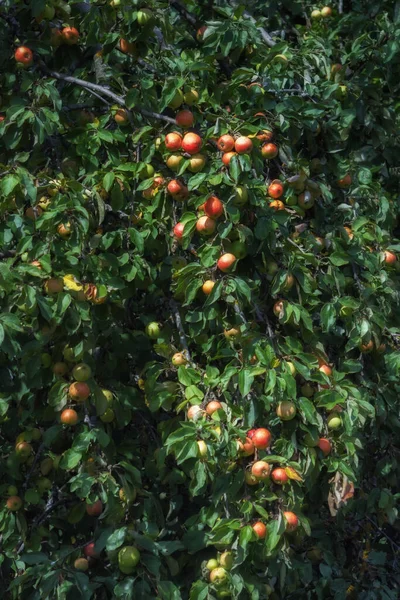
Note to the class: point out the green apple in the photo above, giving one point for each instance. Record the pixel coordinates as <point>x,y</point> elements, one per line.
<point>81,372</point>
<point>128,558</point>
<point>334,421</point>
<point>153,330</point>
<point>241,195</point>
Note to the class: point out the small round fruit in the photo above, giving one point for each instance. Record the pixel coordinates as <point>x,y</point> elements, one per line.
<point>205,226</point>
<point>14,503</point>
<point>179,359</point>
<point>275,189</point>
<point>261,470</point>
<point>70,35</point>
<point>185,119</point>
<point>81,372</point>
<point>192,143</point>
<point>389,257</point>
<point>202,447</point>
<point>178,230</point>
<point>191,97</point>
<point>207,287</point>
<point>334,421</point>
<point>33,212</point>
<point>23,449</point>
<point>108,416</point>
<point>69,416</point>
<point>54,286</point>
<point>243,145</point>
<point>173,141</point>
<point>307,390</point>
<point>176,100</point>
<point>213,207</point>
<point>326,369</point>
<point>292,522</point>
<point>153,330</point>
<point>345,182</point>
<point>260,530</point>
<point>326,12</point>
<point>212,407</point>
<point>95,509</point>
<point>261,438</point>
<point>241,196</point>
<point>311,441</point>
<point>79,391</point>
<point>279,476</point>
<point>226,262</point>
<point>64,230</point>
<point>128,558</point>
<point>212,564</point>
<point>12,490</point>
<point>81,564</point>
<point>24,56</point>
<point>250,479</point>
<point>196,163</point>
<point>277,205</point>
<point>121,116</point>
<point>219,576</point>
<point>226,560</point>
<point>325,445</point>
<point>269,150</point>
<point>286,410</point>
<point>316,14</point>
<point>227,157</point>
<point>194,412</point>
<point>245,448</point>
<point>226,143</point>
<point>127,47</point>
<point>89,551</point>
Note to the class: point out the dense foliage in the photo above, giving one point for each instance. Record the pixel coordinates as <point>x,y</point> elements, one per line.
<point>199,351</point>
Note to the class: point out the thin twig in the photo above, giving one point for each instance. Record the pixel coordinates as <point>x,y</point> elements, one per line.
<point>181,331</point>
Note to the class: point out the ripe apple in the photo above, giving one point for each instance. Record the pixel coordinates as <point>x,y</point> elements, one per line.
<point>70,35</point>
<point>367,348</point>
<point>250,479</point>
<point>326,369</point>
<point>389,257</point>
<point>194,412</point>
<point>212,407</point>
<point>261,469</point>
<point>261,438</point>
<point>269,150</point>
<point>33,212</point>
<point>205,225</point>
<point>127,47</point>
<point>173,162</point>
<point>334,421</point>
<point>226,560</point>
<point>225,262</point>
<point>241,196</point>
<point>212,564</point>
<point>177,189</point>
<point>279,476</point>
<point>243,145</point>
<point>14,503</point>
<point>287,286</point>
<point>208,286</point>
<point>286,410</point>
<point>176,100</point>
<point>345,182</point>
<point>69,416</point>
<point>277,205</point>
<point>325,445</point>
<point>219,576</point>
<point>226,143</point>
<point>179,359</point>
<point>213,207</point>
<point>245,448</point>
<point>227,157</point>
<point>196,163</point>
<point>191,143</point>
<point>200,33</point>
<point>95,509</point>
<point>128,558</point>
<point>185,119</point>
<point>81,372</point>
<point>265,136</point>
<point>275,189</point>
<point>153,330</point>
<point>173,141</point>
<point>292,521</point>
<point>326,12</point>
<point>121,116</point>
<point>203,450</point>
<point>260,530</point>
<point>144,16</point>
<point>191,97</point>
<point>24,56</point>
<point>178,230</point>
<point>64,230</point>
<point>81,564</point>
<point>23,449</point>
<point>79,391</point>
<point>89,550</point>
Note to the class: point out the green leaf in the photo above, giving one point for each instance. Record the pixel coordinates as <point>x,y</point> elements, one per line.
<point>245,381</point>
<point>108,181</point>
<point>8,184</point>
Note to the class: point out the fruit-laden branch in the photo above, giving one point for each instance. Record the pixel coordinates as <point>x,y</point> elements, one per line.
<point>120,100</point>
<point>181,331</point>
<point>264,33</point>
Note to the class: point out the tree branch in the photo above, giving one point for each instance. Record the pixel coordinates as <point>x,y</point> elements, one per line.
<point>181,331</point>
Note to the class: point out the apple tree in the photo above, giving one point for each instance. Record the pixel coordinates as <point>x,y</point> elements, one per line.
<point>199,291</point>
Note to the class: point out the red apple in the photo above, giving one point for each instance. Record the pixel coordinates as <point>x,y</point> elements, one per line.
<point>95,509</point>
<point>261,438</point>
<point>261,469</point>
<point>213,406</point>
<point>292,521</point>
<point>70,35</point>
<point>185,119</point>
<point>205,226</point>
<point>14,503</point>
<point>225,262</point>
<point>79,391</point>
<point>213,207</point>
<point>260,529</point>
<point>269,151</point>
<point>178,230</point>
<point>227,157</point>
<point>173,141</point>
<point>127,47</point>
<point>325,445</point>
<point>275,189</point>
<point>345,181</point>
<point>69,416</point>
<point>278,308</point>
<point>243,145</point>
<point>194,412</point>
<point>89,551</point>
<point>389,257</point>
<point>245,448</point>
<point>24,56</point>
<point>192,143</point>
<point>177,189</point>
<point>279,476</point>
<point>226,143</point>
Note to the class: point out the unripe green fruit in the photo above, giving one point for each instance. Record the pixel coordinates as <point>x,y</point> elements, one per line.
<point>82,372</point>
<point>226,560</point>
<point>310,440</point>
<point>212,564</point>
<point>334,421</point>
<point>128,558</point>
<point>153,330</point>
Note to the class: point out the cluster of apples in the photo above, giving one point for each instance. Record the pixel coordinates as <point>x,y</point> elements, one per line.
<point>323,13</point>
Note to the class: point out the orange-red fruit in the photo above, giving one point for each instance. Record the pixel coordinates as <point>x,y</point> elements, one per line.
<point>243,145</point>
<point>389,257</point>
<point>94,510</point>
<point>275,189</point>
<point>292,522</point>
<point>185,118</point>
<point>89,550</point>
<point>14,503</point>
<point>213,406</point>
<point>200,32</point>
<point>69,416</point>
<point>226,143</point>
<point>277,205</point>
<point>246,448</point>
<point>213,207</point>
<point>226,158</point>
<point>205,225</point>
<point>261,438</point>
<point>79,391</point>
<point>127,47</point>
<point>269,151</point>
<point>81,564</point>
<point>278,308</point>
<point>324,445</point>
<point>279,476</point>
<point>70,35</point>
<point>345,182</point>
<point>207,287</point>
<point>24,56</point>
<point>225,262</point>
<point>177,189</point>
<point>173,141</point>
<point>192,143</point>
<point>178,230</point>
<point>260,529</point>
<point>326,369</point>
<point>265,136</point>
<point>261,469</point>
